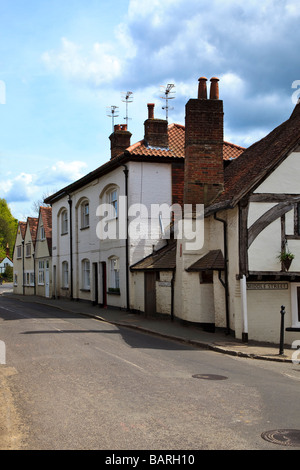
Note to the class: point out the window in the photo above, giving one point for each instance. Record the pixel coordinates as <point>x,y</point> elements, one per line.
<point>85,215</point>
<point>86,274</point>
<point>114,278</point>
<point>19,251</point>
<point>43,236</point>
<point>15,279</point>
<point>65,274</point>
<point>41,273</point>
<point>295,292</point>
<point>28,250</point>
<point>113,201</point>
<point>29,278</point>
<point>64,222</point>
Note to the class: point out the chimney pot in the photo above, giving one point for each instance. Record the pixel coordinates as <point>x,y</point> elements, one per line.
<point>202,89</point>
<point>214,88</point>
<point>151,110</point>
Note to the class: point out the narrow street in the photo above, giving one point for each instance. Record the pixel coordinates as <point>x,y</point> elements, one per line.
<point>72,382</point>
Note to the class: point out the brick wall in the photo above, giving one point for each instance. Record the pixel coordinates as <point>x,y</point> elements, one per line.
<point>203,176</point>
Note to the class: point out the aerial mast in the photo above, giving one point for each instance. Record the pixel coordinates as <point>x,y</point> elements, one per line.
<point>167,96</point>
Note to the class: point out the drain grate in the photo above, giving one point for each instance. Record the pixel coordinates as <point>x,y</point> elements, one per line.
<point>284,437</point>
<point>209,377</point>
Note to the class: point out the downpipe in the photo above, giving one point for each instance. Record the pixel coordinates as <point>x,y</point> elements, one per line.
<point>225,284</point>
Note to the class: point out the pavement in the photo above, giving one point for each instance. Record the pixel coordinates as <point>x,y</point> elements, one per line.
<point>172,329</point>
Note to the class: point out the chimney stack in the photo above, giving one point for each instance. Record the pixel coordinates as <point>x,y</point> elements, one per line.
<point>156,130</point>
<point>203,172</point>
<point>120,140</point>
<point>7,250</point>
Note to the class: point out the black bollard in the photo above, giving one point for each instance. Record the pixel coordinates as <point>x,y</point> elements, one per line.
<point>282,311</point>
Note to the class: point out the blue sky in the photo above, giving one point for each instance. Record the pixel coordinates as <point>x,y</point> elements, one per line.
<point>63,64</point>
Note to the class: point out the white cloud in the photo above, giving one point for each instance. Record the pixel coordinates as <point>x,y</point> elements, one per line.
<point>95,67</point>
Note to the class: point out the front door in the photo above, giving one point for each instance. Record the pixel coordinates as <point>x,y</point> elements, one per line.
<point>150,293</point>
<point>47,280</point>
<point>104,285</point>
<point>95,278</point>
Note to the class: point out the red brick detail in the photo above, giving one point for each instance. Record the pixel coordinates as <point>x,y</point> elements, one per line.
<point>120,140</point>
<point>177,183</point>
<point>204,174</point>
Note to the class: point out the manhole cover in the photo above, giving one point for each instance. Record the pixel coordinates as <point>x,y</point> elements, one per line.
<point>209,376</point>
<point>284,437</point>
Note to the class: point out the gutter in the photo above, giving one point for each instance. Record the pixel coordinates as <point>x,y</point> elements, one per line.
<point>23,243</point>
<point>225,284</point>
<point>126,171</point>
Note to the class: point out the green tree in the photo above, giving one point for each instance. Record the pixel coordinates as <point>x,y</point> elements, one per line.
<point>8,228</point>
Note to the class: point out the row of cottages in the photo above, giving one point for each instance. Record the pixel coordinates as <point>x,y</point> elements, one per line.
<point>108,221</point>
<point>113,247</point>
<point>32,255</point>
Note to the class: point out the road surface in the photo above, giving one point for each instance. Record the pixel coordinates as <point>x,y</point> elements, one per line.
<point>73,382</point>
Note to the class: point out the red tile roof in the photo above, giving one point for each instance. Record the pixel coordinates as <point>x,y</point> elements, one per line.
<point>22,226</point>
<point>33,225</point>
<point>46,214</point>
<point>176,146</point>
<point>140,150</point>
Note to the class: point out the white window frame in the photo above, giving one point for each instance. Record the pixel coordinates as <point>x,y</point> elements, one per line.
<point>112,199</point>
<point>41,273</point>
<point>65,274</point>
<point>294,304</point>
<point>86,274</point>
<point>85,214</point>
<point>114,274</point>
<point>64,222</point>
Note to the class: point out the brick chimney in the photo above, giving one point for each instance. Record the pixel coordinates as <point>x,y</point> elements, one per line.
<point>203,168</point>
<point>119,140</point>
<point>156,130</point>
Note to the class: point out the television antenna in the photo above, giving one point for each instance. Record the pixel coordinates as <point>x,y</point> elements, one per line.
<point>112,113</point>
<point>167,97</point>
<point>127,98</point>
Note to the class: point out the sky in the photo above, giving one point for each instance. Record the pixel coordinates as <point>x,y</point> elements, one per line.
<point>64,64</point>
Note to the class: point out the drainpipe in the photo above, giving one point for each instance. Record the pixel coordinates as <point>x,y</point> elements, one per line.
<point>225,284</point>
<point>243,287</point>
<point>23,268</point>
<point>172,295</point>
<point>34,273</point>
<point>126,241</point>
<point>71,249</point>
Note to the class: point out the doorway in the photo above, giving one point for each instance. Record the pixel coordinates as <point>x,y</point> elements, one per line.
<point>150,293</point>
<point>104,284</point>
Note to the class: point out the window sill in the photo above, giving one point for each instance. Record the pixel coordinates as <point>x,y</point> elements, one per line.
<point>293,328</point>
<point>84,228</point>
<point>65,233</point>
<point>114,292</point>
<point>85,290</point>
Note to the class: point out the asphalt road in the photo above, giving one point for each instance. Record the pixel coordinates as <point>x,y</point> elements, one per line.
<point>73,382</point>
